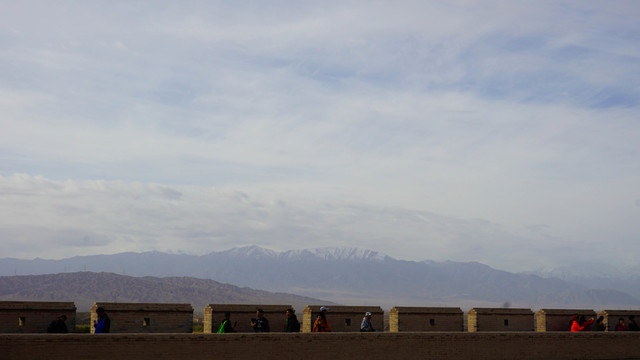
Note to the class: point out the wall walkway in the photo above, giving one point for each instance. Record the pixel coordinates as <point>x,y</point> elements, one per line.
<point>458,346</point>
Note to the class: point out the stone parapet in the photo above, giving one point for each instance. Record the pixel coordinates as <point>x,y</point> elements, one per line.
<point>559,319</point>
<point>34,316</point>
<point>241,315</point>
<point>499,319</point>
<point>146,317</point>
<point>337,346</point>
<point>425,319</point>
<point>343,318</point>
<point>610,317</point>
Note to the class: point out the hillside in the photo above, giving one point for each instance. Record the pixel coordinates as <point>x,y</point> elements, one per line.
<point>349,276</point>
<point>85,288</point>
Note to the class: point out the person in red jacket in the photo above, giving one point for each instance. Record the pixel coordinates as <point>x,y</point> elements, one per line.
<point>580,324</point>
<point>621,326</point>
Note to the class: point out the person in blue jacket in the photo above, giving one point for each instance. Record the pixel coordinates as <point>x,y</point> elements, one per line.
<point>103,324</point>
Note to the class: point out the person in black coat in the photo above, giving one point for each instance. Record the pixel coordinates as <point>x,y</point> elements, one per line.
<point>260,324</point>
<point>58,325</point>
<point>291,323</point>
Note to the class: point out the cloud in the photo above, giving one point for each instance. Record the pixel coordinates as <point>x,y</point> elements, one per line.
<point>58,219</point>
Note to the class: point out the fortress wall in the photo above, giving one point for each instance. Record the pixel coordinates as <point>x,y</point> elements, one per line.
<point>22,317</point>
<point>499,319</point>
<point>433,345</point>
<point>425,319</point>
<point>242,314</point>
<point>146,317</point>
<point>559,319</point>
<point>34,316</point>
<point>343,318</point>
<point>611,317</point>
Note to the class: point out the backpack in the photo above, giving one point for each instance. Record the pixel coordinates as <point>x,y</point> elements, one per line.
<point>221,328</point>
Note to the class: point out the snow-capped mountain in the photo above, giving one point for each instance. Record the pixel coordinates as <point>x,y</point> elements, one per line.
<point>254,252</point>
<point>326,253</point>
<point>347,275</point>
<point>334,254</point>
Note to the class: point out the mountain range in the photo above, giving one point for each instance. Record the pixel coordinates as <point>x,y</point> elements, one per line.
<point>85,288</point>
<point>353,276</point>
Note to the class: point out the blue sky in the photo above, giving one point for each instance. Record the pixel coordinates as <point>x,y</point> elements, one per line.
<point>502,132</point>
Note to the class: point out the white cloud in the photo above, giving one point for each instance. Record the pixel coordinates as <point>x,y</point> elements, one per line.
<point>53,219</point>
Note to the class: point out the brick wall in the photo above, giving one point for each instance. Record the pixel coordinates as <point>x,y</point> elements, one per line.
<point>343,318</point>
<point>499,319</point>
<point>146,317</point>
<point>425,319</point>
<point>559,319</point>
<point>242,314</point>
<point>611,317</point>
<point>34,316</point>
<point>455,346</point>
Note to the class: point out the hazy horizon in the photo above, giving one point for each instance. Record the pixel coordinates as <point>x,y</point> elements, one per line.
<point>577,268</point>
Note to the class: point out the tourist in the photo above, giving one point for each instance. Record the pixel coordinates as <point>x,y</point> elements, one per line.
<point>600,324</point>
<point>226,327</point>
<point>621,326</point>
<point>291,323</point>
<point>103,324</point>
<point>58,325</point>
<point>260,324</point>
<point>366,323</point>
<point>321,324</point>
<point>632,324</point>
<point>580,324</point>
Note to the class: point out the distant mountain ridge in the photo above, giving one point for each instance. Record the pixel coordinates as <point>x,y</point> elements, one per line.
<point>598,276</point>
<point>85,288</point>
<point>348,276</point>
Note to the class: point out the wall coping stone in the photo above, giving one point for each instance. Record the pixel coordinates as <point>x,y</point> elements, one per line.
<point>142,307</point>
<point>500,311</point>
<point>240,308</point>
<point>338,309</point>
<point>585,312</point>
<point>620,313</point>
<point>37,305</point>
<point>425,310</point>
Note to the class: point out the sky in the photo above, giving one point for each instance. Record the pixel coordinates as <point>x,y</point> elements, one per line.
<point>504,132</point>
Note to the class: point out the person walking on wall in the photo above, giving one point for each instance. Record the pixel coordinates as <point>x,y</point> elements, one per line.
<point>291,323</point>
<point>226,327</point>
<point>103,324</point>
<point>621,326</point>
<point>366,323</point>
<point>321,324</point>
<point>633,326</point>
<point>260,324</point>
<point>580,324</point>
<point>58,325</point>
